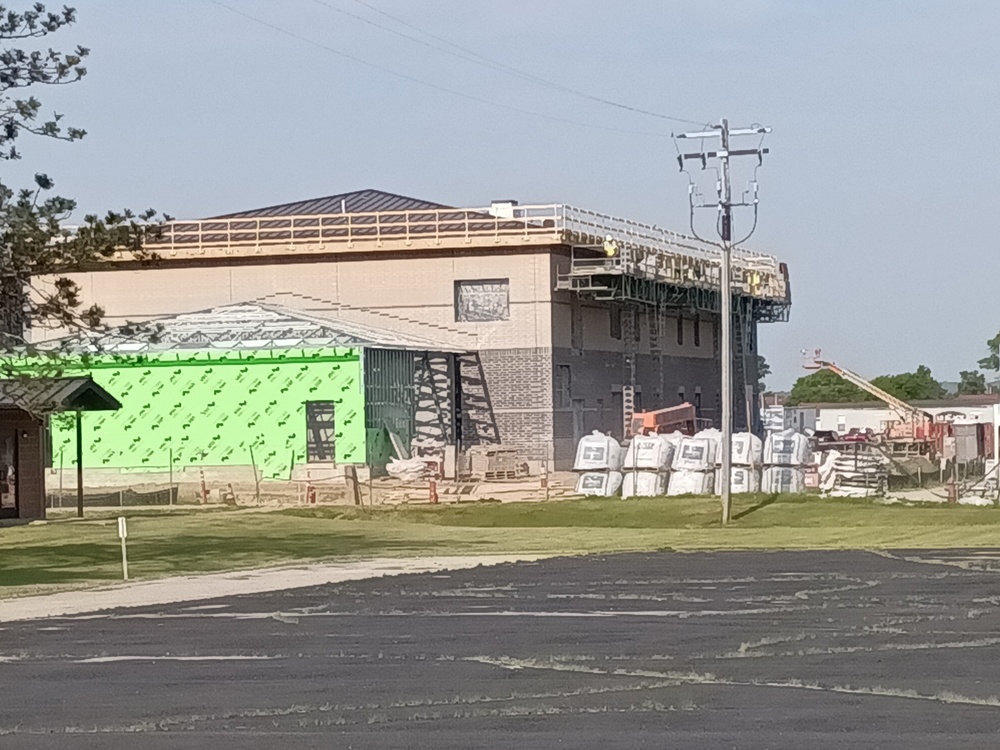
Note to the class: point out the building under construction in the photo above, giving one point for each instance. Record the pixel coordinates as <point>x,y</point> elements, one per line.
<point>554,321</point>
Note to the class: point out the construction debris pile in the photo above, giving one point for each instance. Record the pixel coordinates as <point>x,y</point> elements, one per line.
<point>985,490</point>
<point>860,474</point>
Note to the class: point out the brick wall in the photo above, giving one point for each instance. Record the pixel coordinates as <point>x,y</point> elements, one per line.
<point>520,384</point>
<point>596,378</point>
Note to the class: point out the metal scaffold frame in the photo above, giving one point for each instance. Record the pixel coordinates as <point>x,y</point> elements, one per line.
<point>616,280</point>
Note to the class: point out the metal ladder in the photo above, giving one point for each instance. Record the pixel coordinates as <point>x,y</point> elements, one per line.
<point>629,351</point>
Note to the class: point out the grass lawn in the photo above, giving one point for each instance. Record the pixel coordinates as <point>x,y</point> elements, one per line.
<point>165,542</point>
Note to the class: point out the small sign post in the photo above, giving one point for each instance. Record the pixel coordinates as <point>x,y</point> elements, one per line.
<point>123,535</point>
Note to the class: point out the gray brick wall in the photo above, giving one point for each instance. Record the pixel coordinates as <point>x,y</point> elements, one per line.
<point>595,390</point>
<point>536,415</point>
<point>520,384</point>
<point>519,378</point>
<point>530,432</point>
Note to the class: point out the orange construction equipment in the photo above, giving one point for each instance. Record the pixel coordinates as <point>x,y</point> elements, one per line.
<point>915,427</point>
<point>681,418</point>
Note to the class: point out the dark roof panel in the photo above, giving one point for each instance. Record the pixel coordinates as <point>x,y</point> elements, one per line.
<point>41,396</point>
<point>359,201</point>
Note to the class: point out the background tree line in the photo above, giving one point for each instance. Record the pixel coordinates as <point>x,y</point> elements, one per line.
<point>826,387</point>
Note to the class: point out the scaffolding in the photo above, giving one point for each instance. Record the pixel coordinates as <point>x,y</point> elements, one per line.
<point>680,278</point>
<point>658,280</point>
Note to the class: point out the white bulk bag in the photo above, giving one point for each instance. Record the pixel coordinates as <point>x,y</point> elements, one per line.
<point>747,449</point>
<point>599,483</point>
<point>653,452</point>
<point>711,434</point>
<point>745,480</point>
<point>674,438</point>
<point>598,452</point>
<point>786,448</point>
<point>783,479</point>
<point>644,484</point>
<point>695,454</point>
<point>685,482</point>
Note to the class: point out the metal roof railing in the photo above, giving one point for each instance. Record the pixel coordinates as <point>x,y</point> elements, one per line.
<point>508,225</point>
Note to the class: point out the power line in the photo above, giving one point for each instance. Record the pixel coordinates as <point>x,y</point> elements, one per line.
<point>475,57</point>
<point>429,84</point>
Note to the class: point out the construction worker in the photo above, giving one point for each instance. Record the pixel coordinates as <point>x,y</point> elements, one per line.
<point>610,246</point>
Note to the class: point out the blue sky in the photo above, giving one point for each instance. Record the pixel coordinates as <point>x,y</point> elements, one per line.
<point>880,191</point>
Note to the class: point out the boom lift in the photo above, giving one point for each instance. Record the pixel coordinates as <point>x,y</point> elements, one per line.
<point>914,431</point>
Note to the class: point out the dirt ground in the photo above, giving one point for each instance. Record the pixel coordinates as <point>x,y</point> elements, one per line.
<point>379,491</point>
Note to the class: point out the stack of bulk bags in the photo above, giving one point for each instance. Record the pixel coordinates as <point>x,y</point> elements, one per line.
<point>599,461</point>
<point>746,460</point>
<point>786,454</point>
<point>827,469</point>
<point>694,465</point>
<point>647,465</point>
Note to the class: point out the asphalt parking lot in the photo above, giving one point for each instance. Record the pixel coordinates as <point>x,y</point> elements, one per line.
<point>707,650</point>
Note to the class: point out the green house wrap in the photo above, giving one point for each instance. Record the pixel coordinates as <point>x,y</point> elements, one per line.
<point>214,408</point>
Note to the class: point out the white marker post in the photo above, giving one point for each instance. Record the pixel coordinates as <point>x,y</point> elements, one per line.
<point>123,535</point>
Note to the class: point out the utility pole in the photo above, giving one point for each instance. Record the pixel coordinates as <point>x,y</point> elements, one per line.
<point>725,205</point>
<point>726,311</point>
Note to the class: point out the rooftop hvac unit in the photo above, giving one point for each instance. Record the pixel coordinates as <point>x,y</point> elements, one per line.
<point>503,209</point>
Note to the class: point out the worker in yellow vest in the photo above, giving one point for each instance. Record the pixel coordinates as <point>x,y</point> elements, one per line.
<point>610,246</point>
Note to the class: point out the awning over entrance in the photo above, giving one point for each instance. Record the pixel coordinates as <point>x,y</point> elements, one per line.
<point>43,396</point>
<point>21,441</point>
